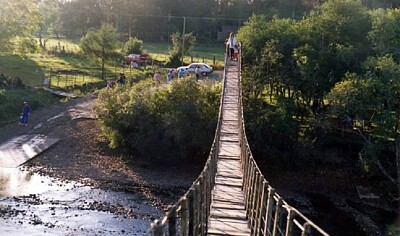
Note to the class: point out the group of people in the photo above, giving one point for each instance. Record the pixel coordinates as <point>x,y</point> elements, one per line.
<point>120,80</point>
<point>232,47</point>
<point>171,74</point>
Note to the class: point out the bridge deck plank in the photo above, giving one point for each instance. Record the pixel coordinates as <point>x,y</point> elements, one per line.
<point>227,213</point>
<point>223,180</point>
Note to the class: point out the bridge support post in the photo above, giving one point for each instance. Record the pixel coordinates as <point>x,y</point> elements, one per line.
<point>254,201</point>
<point>191,211</point>
<point>306,229</point>
<point>185,216</point>
<point>268,212</point>
<point>206,197</point>
<point>278,215</point>
<point>157,228</point>
<point>249,187</point>
<point>262,207</point>
<point>197,210</point>
<point>289,223</point>
<point>172,221</point>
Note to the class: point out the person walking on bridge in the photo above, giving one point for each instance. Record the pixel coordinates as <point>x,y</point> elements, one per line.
<point>231,45</point>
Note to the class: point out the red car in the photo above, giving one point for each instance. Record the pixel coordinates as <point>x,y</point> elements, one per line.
<point>136,58</point>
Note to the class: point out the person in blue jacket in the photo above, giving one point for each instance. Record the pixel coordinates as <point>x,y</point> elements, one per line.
<point>25,113</point>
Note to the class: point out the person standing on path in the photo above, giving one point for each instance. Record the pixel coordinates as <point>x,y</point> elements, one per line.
<point>25,114</point>
<point>197,71</point>
<point>170,76</point>
<point>157,78</point>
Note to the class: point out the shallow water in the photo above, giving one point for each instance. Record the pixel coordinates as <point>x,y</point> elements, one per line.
<point>31,204</point>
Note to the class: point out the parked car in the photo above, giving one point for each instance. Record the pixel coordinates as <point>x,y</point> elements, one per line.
<point>204,68</point>
<point>136,58</point>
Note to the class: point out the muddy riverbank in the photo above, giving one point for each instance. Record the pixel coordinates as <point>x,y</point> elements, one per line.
<point>79,186</point>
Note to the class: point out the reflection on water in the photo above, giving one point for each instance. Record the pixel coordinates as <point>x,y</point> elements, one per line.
<point>16,182</point>
<point>47,206</point>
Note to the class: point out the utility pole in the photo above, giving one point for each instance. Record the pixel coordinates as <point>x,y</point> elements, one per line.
<point>183,37</point>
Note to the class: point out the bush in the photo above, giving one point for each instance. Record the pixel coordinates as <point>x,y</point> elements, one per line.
<point>161,124</point>
<point>10,83</point>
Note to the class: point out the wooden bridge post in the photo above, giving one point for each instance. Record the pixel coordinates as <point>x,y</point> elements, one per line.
<point>249,187</point>
<point>247,180</point>
<point>207,198</point>
<point>197,209</point>
<point>191,211</point>
<point>172,222</point>
<point>245,171</point>
<point>268,212</point>
<point>157,228</point>
<point>202,203</point>
<point>306,229</point>
<point>254,200</point>
<point>185,216</point>
<point>278,214</point>
<point>289,223</point>
<point>261,206</point>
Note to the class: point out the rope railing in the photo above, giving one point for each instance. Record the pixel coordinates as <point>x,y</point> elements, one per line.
<point>267,213</point>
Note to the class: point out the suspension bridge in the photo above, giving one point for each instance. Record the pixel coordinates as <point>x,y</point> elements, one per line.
<point>231,195</point>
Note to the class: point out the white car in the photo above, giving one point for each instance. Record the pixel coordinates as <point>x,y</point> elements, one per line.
<point>204,68</point>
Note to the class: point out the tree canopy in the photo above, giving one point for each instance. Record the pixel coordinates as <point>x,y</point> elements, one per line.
<point>101,44</point>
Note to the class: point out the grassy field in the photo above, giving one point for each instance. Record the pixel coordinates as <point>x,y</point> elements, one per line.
<point>30,68</point>
<point>201,53</point>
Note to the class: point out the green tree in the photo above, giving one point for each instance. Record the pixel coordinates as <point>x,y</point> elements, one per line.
<point>179,44</point>
<point>101,44</point>
<point>374,99</point>
<point>336,38</point>
<point>78,17</point>
<point>50,11</point>
<point>17,19</point>
<point>134,46</point>
<point>179,120</point>
<point>384,34</point>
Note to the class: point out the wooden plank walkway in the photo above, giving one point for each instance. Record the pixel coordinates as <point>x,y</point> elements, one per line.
<point>19,150</point>
<point>60,93</point>
<point>228,214</point>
